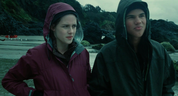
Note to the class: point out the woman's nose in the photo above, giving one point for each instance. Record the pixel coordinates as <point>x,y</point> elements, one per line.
<point>72,30</point>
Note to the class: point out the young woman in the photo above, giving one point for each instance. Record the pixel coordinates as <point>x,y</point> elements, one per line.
<point>60,66</point>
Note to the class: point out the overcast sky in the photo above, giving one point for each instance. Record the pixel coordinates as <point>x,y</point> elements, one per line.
<point>159,9</point>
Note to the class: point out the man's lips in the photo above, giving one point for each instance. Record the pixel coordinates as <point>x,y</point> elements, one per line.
<point>138,28</point>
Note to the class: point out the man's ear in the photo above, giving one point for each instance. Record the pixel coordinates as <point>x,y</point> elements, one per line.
<point>52,27</point>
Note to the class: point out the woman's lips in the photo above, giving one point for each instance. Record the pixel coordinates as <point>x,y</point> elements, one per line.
<point>69,37</point>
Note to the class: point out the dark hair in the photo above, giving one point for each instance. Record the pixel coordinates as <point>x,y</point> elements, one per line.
<point>58,16</point>
<point>136,5</point>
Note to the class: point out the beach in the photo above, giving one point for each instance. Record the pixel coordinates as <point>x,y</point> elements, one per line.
<point>14,48</point>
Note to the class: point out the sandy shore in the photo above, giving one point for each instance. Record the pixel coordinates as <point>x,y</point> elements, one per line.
<point>14,48</point>
<point>20,45</point>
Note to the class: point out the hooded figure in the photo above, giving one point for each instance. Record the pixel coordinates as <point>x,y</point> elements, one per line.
<point>58,67</point>
<point>133,64</point>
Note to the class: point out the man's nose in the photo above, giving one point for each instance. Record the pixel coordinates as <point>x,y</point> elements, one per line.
<point>138,20</point>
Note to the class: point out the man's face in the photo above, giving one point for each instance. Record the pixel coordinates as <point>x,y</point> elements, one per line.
<point>136,23</point>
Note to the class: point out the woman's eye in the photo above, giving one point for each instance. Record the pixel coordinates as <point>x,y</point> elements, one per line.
<point>65,26</point>
<point>74,26</point>
<point>68,26</point>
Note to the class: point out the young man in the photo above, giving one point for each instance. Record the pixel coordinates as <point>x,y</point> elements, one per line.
<point>133,64</point>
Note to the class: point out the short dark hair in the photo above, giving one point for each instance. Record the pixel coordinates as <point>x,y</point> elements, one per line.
<point>136,5</point>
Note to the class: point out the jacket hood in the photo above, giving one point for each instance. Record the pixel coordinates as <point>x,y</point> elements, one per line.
<point>55,9</point>
<point>121,31</point>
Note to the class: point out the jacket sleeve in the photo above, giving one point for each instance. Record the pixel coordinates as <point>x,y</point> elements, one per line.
<point>170,77</point>
<point>99,83</point>
<point>13,81</point>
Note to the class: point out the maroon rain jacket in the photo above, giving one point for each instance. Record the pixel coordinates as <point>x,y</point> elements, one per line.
<point>49,73</point>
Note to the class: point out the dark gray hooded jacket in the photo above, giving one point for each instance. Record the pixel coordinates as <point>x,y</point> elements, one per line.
<point>117,71</point>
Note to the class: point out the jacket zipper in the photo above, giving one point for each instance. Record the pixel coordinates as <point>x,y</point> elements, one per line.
<point>143,74</point>
<point>67,67</point>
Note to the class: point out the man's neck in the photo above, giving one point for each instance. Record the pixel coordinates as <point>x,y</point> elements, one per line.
<point>134,42</point>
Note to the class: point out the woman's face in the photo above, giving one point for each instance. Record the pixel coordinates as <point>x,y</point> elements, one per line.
<point>65,30</point>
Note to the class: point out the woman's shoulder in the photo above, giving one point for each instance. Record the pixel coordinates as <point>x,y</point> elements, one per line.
<point>37,49</point>
<point>79,47</point>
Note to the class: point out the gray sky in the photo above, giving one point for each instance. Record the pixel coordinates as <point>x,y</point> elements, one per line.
<point>159,9</point>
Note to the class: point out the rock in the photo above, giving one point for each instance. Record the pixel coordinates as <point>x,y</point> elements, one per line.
<point>164,30</point>
<point>108,36</point>
<point>31,18</point>
<point>85,43</point>
<point>168,46</point>
<point>93,33</point>
<point>174,43</point>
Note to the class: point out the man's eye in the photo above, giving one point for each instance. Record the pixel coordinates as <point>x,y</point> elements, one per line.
<point>130,17</point>
<point>142,15</point>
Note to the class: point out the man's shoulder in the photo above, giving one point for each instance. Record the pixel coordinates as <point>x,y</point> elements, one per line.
<point>157,46</point>
<point>109,47</point>
<point>155,43</point>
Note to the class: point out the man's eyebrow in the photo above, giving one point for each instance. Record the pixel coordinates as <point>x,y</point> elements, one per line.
<point>142,13</point>
<point>130,15</point>
<point>134,15</point>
